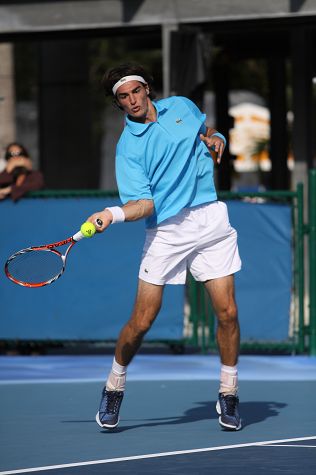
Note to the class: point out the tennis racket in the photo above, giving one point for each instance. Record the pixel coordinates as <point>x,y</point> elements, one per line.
<point>37,266</point>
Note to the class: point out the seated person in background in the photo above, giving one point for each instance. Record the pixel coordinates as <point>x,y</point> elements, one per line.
<point>18,177</point>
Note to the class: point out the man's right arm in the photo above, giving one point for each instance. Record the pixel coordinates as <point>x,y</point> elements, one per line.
<point>131,211</point>
<point>139,209</point>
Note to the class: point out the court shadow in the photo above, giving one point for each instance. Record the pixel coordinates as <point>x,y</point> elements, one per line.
<point>78,421</point>
<point>251,413</point>
<point>205,410</point>
<point>258,411</point>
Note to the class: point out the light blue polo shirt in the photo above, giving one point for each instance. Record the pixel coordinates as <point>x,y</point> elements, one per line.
<point>166,161</point>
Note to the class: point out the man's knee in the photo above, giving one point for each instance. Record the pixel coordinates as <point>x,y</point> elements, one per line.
<point>143,318</point>
<point>228,315</point>
<point>139,327</point>
<point>146,308</point>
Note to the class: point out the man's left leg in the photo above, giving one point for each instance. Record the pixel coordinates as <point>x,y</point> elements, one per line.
<point>221,292</point>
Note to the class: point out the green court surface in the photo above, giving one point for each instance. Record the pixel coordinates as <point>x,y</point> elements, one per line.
<point>167,426</point>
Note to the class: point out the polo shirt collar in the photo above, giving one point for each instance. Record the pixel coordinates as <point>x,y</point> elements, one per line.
<point>136,128</point>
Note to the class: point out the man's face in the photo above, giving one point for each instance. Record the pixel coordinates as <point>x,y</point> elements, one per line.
<point>134,100</point>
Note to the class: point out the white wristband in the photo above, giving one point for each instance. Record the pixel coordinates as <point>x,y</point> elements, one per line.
<point>117,213</point>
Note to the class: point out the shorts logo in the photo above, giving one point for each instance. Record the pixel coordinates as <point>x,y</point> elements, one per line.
<point>146,270</point>
<point>178,121</point>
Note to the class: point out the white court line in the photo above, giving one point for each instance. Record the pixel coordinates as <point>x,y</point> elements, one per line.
<point>149,456</point>
<point>290,445</point>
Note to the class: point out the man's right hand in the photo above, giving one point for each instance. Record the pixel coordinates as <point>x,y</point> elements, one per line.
<point>105,216</point>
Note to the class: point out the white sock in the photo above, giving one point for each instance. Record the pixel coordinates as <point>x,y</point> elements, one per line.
<point>228,380</point>
<point>117,377</point>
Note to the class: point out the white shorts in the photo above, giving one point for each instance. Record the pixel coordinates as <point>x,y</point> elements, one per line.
<point>200,239</point>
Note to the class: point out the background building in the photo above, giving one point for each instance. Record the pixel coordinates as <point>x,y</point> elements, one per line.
<point>53,55</point>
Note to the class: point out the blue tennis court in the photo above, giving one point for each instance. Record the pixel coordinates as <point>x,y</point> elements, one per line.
<point>168,418</point>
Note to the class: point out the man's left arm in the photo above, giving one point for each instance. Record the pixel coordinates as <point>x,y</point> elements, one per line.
<point>215,143</point>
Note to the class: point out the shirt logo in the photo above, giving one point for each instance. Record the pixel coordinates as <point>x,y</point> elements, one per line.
<point>178,121</point>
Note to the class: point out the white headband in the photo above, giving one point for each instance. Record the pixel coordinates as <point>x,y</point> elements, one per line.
<point>127,79</point>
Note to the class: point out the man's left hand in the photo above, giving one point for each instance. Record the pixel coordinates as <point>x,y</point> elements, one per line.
<point>215,145</point>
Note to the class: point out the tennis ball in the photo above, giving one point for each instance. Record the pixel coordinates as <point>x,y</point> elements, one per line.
<point>87,229</point>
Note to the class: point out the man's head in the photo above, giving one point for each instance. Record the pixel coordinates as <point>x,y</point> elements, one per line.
<point>112,77</point>
<point>131,87</point>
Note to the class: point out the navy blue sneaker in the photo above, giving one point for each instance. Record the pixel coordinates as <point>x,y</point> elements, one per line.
<point>108,414</point>
<point>227,408</point>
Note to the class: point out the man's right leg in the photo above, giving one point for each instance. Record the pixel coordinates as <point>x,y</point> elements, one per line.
<point>146,308</point>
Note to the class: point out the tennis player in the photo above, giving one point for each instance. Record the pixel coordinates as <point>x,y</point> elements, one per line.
<point>164,172</point>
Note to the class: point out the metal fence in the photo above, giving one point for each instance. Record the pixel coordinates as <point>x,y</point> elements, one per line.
<point>303,337</point>
<point>201,321</point>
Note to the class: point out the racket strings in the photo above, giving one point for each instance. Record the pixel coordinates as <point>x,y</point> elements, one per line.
<point>35,266</point>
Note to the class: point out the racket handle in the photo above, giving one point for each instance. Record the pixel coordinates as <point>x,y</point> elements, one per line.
<point>78,236</point>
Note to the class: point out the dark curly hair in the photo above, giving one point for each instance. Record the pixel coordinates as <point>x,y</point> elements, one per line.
<point>24,152</point>
<point>128,69</point>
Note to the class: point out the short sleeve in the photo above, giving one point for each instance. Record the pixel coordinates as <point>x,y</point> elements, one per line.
<point>132,182</point>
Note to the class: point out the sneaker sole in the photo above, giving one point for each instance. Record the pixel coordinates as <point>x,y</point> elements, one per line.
<point>222,424</point>
<point>105,426</point>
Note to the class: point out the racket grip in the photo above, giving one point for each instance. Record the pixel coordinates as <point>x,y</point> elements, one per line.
<point>78,236</point>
